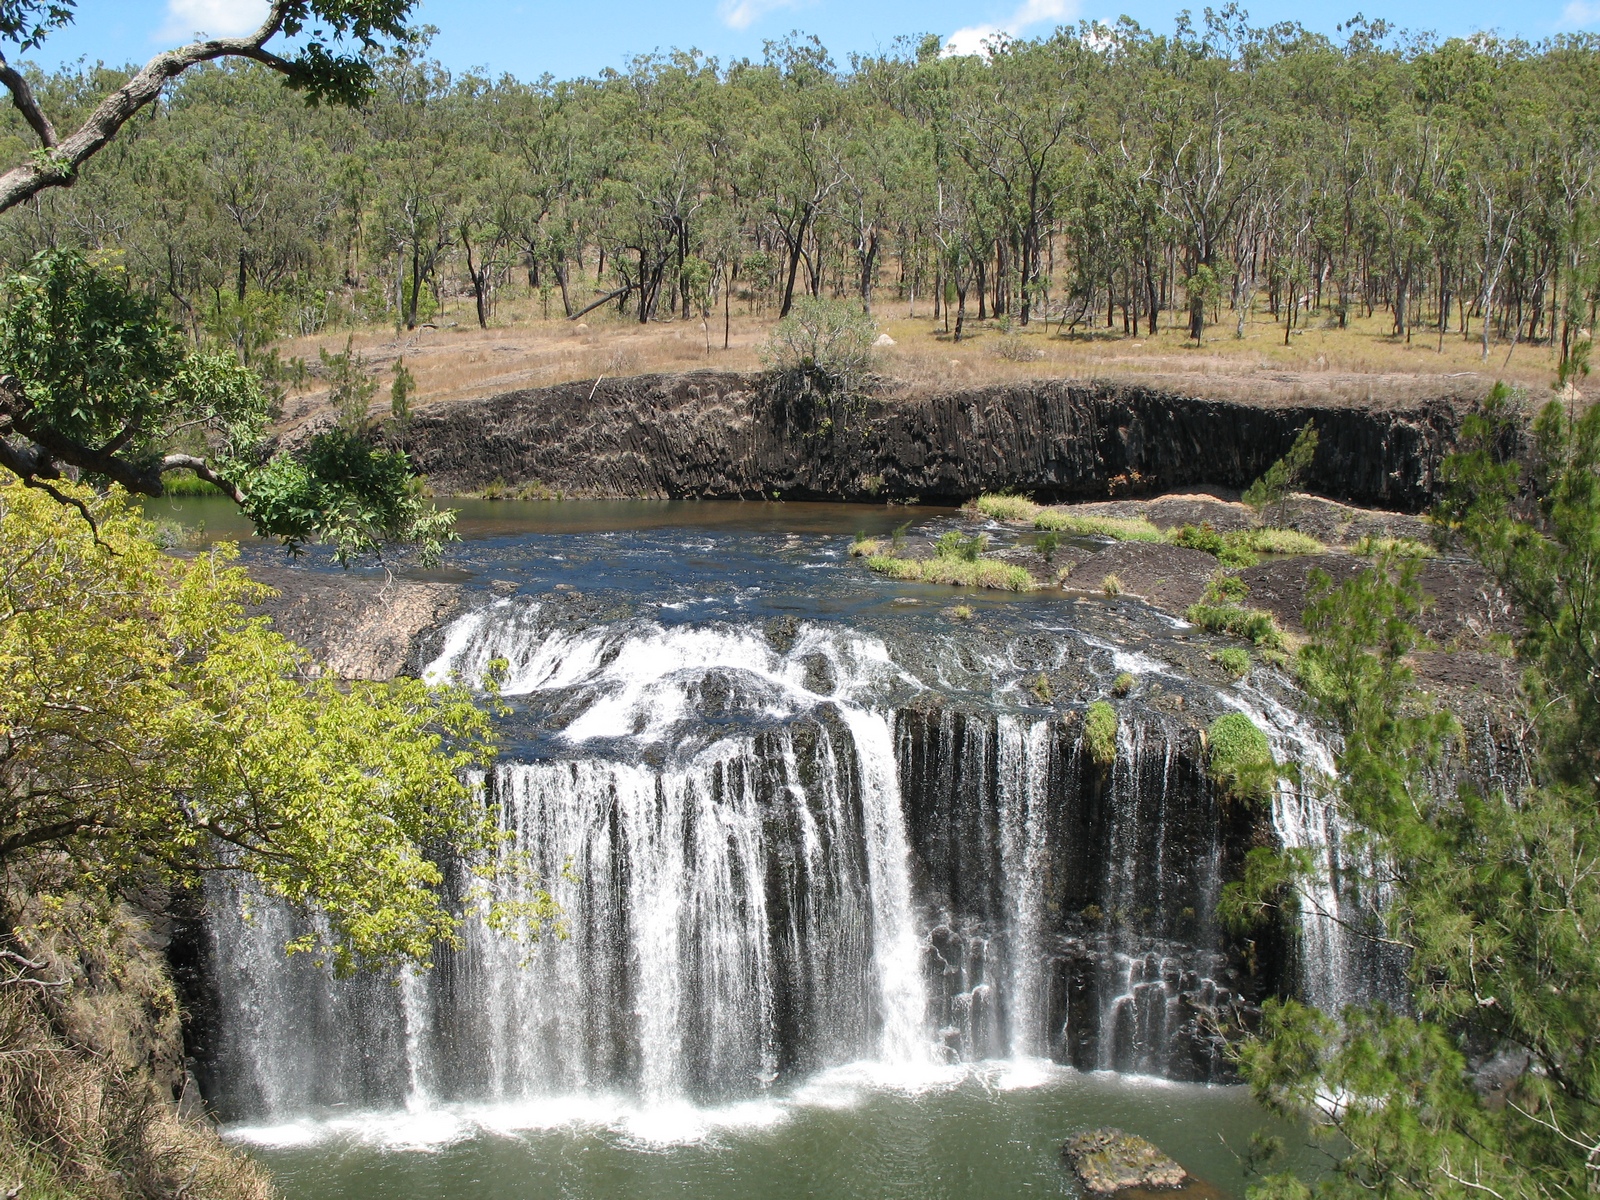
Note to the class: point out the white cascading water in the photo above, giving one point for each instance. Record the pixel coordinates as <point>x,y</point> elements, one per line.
<point>1023,783</point>
<point>722,825</point>
<point>1140,1004</point>
<point>727,900</point>
<point>1303,818</point>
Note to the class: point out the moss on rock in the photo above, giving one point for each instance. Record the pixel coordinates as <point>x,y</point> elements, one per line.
<point>1108,1161</point>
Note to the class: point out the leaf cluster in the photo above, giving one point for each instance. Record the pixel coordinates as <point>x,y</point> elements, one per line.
<point>149,730</point>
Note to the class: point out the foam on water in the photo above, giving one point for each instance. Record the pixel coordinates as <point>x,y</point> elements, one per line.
<point>659,1125</point>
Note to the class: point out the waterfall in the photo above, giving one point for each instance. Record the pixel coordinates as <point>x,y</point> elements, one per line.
<point>1338,966</point>
<point>1023,779</point>
<point>774,854</point>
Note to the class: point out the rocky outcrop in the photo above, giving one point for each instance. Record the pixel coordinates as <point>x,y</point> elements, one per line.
<point>355,626</point>
<point>710,434</point>
<point>1108,1161</point>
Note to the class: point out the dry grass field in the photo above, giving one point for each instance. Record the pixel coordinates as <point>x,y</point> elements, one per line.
<point>455,360</point>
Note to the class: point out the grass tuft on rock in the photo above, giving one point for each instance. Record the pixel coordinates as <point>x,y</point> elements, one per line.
<point>1135,529</point>
<point>1100,733</point>
<point>1239,758</point>
<point>961,572</point>
<point>1375,547</point>
<point>1004,506</point>
<point>1243,547</point>
<point>1252,624</point>
<point>1282,541</point>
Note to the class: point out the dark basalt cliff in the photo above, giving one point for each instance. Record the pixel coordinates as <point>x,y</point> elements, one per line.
<point>720,435</point>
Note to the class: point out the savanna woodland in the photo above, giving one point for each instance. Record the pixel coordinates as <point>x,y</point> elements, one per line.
<point>165,229</point>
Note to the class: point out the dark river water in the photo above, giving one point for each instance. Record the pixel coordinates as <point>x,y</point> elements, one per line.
<point>864,1129</point>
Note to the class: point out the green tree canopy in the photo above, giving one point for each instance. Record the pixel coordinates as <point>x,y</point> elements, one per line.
<point>1492,894</point>
<point>94,378</point>
<point>148,730</point>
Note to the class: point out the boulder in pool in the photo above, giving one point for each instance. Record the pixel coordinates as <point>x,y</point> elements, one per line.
<point>1108,1160</point>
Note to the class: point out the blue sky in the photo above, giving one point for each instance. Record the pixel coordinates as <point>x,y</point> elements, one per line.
<point>581,37</point>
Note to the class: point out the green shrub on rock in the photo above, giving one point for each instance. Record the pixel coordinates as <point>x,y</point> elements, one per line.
<point>1100,733</point>
<point>825,340</point>
<point>1239,758</point>
<point>1234,661</point>
<point>1229,550</point>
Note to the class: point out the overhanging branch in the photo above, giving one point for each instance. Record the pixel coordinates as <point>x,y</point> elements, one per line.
<point>58,162</point>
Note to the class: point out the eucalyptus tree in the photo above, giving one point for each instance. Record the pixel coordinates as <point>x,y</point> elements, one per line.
<point>96,381</point>
<point>1014,127</point>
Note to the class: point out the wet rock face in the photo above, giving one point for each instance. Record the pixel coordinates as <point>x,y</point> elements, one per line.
<point>1070,907</point>
<point>711,434</point>
<point>1109,1161</point>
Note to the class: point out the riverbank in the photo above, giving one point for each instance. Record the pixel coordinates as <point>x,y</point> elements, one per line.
<point>713,435</point>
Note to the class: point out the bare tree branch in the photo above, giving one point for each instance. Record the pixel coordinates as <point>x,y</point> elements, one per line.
<point>178,462</point>
<point>39,462</point>
<point>22,96</point>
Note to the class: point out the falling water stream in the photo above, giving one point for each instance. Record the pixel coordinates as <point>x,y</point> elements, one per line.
<point>848,908</point>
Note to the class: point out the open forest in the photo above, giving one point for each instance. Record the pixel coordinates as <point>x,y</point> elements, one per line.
<point>1194,187</point>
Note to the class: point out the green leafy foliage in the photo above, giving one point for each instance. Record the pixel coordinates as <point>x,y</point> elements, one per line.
<point>351,387</point>
<point>1488,892</point>
<point>345,493</point>
<point>106,384</point>
<point>1271,492</point>
<point>400,393</point>
<point>97,362</point>
<point>29,22</point>
<point>153,731</point>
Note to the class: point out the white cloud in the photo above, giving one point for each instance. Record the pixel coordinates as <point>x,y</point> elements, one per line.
<point>741,14</point>
<point>1580,13</point>
<point>219,18</point>
<point>1029,13</point>
<point>969,40</point>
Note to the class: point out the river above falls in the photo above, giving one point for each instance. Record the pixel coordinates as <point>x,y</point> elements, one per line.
<point>853,913</point>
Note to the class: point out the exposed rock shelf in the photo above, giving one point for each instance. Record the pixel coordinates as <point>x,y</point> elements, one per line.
<point>1109,1161</point>
<point>725,435</point>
